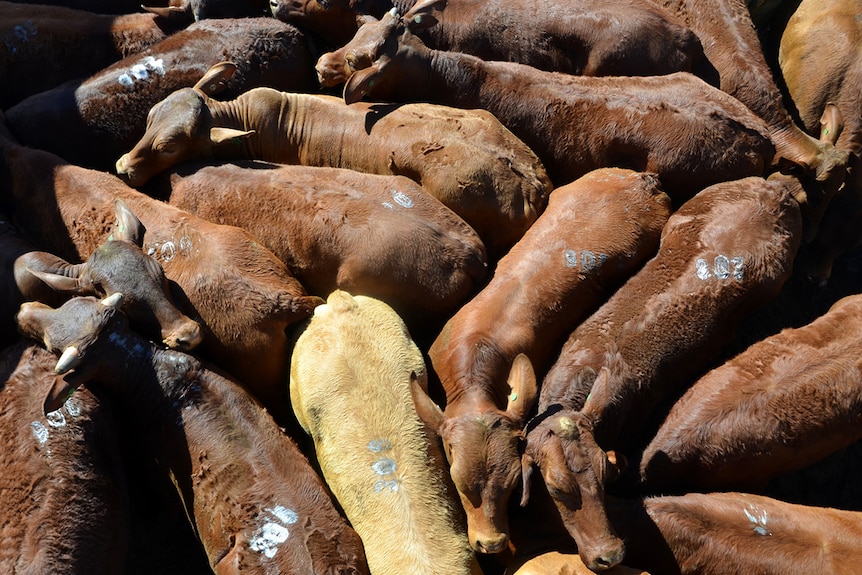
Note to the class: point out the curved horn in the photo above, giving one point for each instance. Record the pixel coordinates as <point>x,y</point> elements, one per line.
<point>114,300</point>
<point>70,359</point>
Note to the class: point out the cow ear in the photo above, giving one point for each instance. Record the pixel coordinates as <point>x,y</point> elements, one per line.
<point>215,79</point>
<point>222,135</point>
<point>526,475</point>
<point>63,387</point>
<point>128,227</point>
<point>428,411</point>
<point>522,382</point>
<point>420,15</point>
<point>831,124</point>
<point>617,463</point>
<point>360,82</point>
<point>61,283</point>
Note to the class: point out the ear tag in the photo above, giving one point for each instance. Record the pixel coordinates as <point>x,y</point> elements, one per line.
<point>513,396</point>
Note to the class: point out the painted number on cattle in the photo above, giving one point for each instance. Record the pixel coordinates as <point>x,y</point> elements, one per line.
<point>586,260</point>
<point>758,518</point>
<point>383,466</point>
<point>273,532</point>
<point>722,268</point>
<point>399,198</point>
<point>21,34</point>
<point>142,71</point>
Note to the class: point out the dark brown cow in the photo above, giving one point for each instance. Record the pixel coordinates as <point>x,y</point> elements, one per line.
<point>596,232</point>
<point>733,533</point>
<point>253,499</point>
<point>118,264</point>
<point>589,37</point>
<point>43,46</point>
<point>62,490</point>
<point>91,122</point>
<point>98,6</point>
<point>195,10</point>
<point>677,126</point>
<point>725,252</point>
<point>782,404</point>
<point>374,235</point>
<point>464,158</point>
<point>731,44</point>
<point>241,293</point>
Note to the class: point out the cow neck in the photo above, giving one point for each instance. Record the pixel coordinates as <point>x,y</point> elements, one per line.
<point>478,376</point>
<point>271,115</point>
<point>456,79</point>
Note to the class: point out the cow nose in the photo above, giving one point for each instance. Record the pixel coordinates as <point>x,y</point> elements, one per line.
<point>186,338</point>
<point>607,560</point>
<point>490,545</point>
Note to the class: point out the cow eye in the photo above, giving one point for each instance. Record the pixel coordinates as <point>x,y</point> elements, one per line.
<point>323,4</point>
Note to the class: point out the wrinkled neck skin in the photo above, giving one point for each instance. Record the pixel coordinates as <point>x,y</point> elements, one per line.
<point>275,117</point>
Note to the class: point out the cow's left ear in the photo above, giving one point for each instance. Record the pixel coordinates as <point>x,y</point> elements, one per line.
<point>831,124</point>
<point>361,81</point>
<point>222,135</point>
<point>522,382</point>
<point>128,227</point>
<point>526,475</point>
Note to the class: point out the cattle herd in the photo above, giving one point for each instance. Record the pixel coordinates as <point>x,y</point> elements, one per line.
<point>415,287</point>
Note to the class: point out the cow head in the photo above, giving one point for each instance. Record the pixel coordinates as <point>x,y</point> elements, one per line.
<point>120,266</point>
<point>482,444</point>
<point>333,20</point>
<point>377,58</point>
<point>179,128</point>
<point>73,332</point>
<point>561,443</point>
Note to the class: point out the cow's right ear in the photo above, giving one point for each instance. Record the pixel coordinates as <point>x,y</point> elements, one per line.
<point>128,227</point>
<point>428,411</point>
<point>216,78</point>
<point>526,475</point>
<point>831,124</point>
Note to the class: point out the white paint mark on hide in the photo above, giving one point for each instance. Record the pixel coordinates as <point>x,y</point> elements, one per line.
<point>588,261</point>
<point>40,432</point>
<point>274,530</point>
<point>402,199</point>
<point>758,518</point>
<point>722,268</point>
<point>167,251</point>
<point>383,466</point>
<point>142,71</point>
<point>388,206</point>
<point>56,418</point>
<point>21,34</point>
<point>72,407</point>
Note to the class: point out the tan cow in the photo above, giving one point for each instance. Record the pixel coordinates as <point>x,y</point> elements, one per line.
<point>595,232</point>
<point>466,159</point>
<point>352,374</point>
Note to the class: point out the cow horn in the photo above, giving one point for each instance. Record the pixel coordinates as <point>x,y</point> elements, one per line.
<point>114,300</point>
<point>70,359</point>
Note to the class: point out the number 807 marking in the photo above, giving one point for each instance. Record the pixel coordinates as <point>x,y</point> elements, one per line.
<point>723,267</point>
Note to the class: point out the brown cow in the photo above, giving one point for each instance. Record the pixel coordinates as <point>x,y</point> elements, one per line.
<point>195,10</point>
<point>725,252</point>
<point>589,37</point>
<point>782,404</point>
<point>820,55</point>
<point>677,126</point>
<point>62,490</point>
<point>48,45</point>
<point>253,499</point>
<point>241,293</point>
<point>375,235</point>
<point>733,533</point>
<point>731,44</point>
<point>596,232</point>
<point>466,159</point>
<point>118,264</point>
<point>91,121</point>
<point>353,374</point>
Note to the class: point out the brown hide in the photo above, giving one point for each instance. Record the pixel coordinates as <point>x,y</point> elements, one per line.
<point>98,6</point>
<point>62,491</point>
<point>733,533</point>
<point>466,159</point>
<point>731,45</point>
<point>677,126</point>
<point>821,61</point>
<point>783,404</point>
<point>581,37</point>
<point>352,371</point>
<point>48,45</point>
<point>243,296</point>
<point>202,9</point>
<point>724,253</point>
<point>556,563</point>
<point>253,499</point>
<point>374,235</point>
<point>90,122</point>
<point>595,232</point>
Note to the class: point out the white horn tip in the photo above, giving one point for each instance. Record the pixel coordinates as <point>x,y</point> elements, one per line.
<point>68,360</point>
<point>113,300</point>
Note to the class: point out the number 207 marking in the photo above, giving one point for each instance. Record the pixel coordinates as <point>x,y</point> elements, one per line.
<point>722,268</point>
